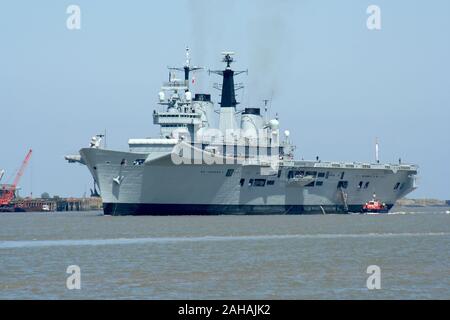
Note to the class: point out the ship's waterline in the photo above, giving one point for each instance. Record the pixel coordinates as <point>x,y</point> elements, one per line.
<point>208,209</point>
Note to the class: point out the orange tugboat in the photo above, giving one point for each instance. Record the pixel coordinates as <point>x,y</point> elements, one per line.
<point>374,206</point>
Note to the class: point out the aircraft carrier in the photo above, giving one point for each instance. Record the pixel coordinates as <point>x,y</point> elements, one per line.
<point>243,165</point>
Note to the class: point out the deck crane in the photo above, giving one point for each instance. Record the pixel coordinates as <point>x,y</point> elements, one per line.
<point>7,191</point>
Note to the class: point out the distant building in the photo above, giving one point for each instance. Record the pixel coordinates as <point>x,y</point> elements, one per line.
<point>447,202</point>
<point>58,204</point>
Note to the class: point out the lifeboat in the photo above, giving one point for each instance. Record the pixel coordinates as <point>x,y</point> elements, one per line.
<point>374,206</point>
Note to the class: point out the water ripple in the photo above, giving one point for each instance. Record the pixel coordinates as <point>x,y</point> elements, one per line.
<point>163,240</point>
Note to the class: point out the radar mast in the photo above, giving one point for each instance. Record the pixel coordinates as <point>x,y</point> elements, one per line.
<point>187,68</point>
<point>228,98</point>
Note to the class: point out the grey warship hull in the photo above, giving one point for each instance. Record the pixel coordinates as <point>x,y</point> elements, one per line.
<point>160,187</point>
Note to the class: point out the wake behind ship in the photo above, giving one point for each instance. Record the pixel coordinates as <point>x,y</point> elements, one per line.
<point>241,166</point>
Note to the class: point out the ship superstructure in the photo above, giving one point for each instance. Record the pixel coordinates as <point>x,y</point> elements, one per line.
<point>240,166</point>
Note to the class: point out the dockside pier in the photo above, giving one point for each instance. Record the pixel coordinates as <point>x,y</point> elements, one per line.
<point>58,204</point>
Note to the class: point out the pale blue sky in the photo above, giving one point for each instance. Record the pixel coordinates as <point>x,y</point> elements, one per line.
<point>335,84</point>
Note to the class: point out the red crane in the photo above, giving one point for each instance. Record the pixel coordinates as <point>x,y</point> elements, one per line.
<point>8,190</point>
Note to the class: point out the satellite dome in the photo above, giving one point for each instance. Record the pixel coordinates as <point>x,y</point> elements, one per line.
<point>274,124</point>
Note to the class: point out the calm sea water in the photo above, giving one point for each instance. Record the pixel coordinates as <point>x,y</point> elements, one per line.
<point>226,257</point>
